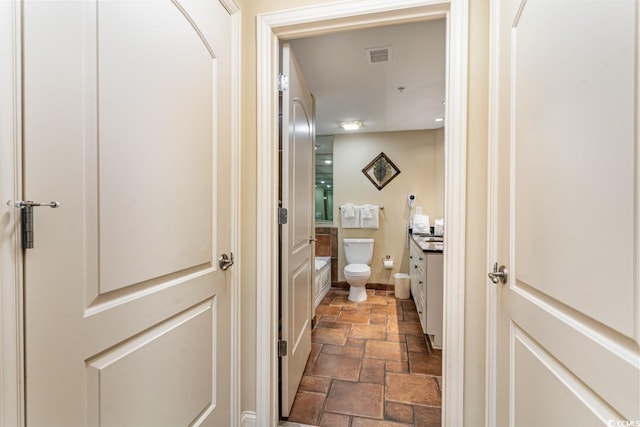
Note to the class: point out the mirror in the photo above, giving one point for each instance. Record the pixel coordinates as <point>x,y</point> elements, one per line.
<point>324,178</point>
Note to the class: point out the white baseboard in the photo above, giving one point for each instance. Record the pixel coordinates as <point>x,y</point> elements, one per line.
<point>248,419</point>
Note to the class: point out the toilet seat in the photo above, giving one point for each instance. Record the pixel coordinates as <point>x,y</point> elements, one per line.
<point>357,270</point>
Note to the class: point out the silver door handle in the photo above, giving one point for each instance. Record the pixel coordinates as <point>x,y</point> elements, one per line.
<point>311,239</point>
<point>499,275</point>
<point>225,261</point>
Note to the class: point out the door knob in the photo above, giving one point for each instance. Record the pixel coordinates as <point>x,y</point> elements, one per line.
<point>499,275</point>
<point>225,261</point>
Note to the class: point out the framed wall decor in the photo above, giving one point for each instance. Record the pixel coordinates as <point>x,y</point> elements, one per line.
<point>381,171</point>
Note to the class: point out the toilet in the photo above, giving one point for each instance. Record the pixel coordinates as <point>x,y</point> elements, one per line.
<point>358,254</point>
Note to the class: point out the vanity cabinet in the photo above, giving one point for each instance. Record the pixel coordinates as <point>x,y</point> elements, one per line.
<point>426,289</point>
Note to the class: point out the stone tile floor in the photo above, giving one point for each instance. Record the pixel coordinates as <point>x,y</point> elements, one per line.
<point>369,366</point>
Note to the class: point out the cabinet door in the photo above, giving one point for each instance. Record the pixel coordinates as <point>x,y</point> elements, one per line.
<point>434,298</point>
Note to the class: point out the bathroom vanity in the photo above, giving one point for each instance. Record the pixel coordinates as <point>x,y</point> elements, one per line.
<point>426,265</point>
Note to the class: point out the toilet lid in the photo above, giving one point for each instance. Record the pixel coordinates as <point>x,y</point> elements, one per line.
<point>357,269</point>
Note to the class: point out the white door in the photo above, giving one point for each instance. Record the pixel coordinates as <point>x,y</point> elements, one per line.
<point>127,125</point>
<point>297,266</point>
<point>568,316</point>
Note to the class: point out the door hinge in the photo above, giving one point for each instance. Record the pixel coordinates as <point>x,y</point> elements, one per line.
<point>282,348</point>
<point>283,82</point>
<point>282,216</point>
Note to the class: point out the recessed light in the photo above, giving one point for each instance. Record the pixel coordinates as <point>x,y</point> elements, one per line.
<point>328,161</point>
<point>439,119</point>
<point>351,125</point>
<point>321,182</point>
<point>328,186</point>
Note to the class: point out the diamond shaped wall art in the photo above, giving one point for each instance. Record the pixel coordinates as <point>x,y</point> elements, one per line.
<point>381,171</point>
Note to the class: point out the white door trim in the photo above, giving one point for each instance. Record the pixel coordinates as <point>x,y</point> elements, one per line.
<point>236,197</point>
<point>313,20</point>
<point>491,305</point>
<point>11,326</point>
<point>12,402</point>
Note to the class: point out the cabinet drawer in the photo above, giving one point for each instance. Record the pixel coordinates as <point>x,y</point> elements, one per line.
<point>421,261</point>
<point>417,256</point>
<point>414,251</point>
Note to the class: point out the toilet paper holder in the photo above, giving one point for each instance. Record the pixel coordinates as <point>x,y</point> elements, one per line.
<point>387,262</point>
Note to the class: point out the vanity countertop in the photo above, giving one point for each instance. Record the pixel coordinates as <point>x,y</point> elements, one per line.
<point>429,243</point>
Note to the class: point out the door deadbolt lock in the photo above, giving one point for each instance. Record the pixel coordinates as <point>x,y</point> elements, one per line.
<point>499,275</point>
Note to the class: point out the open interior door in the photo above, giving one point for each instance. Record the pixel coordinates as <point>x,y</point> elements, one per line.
<point>568,312</point>
<point>297,249</point>
<point>127,124</point>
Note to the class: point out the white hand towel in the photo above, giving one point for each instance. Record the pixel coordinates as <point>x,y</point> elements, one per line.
<point>348,211</point>
<point>421,224</point>
<point>365,211</point>
<point>350,217</point>
<point>373,220</point>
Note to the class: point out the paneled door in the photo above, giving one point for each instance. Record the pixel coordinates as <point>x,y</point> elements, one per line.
<point>127,125</point>
<point>568,323</point>
<point>298,267</point>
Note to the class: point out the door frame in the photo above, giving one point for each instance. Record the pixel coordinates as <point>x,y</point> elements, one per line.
<point>11,261</point>
<point>307,21</point>
<point>12,397</point>
<point>491,304</point>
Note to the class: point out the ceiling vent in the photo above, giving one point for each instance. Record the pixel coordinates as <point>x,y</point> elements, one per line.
<point>378,54</point>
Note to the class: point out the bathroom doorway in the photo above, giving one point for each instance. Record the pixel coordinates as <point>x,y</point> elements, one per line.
<point>391,81</point>
<point>275,27</point>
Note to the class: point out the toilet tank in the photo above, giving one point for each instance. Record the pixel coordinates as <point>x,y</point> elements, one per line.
<point>358,251</point>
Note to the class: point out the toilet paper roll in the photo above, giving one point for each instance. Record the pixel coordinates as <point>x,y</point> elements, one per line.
<point>388,264</point>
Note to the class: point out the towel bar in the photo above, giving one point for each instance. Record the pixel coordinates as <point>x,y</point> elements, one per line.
<point>379,207</point>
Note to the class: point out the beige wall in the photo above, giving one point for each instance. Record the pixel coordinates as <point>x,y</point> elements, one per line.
<point>420,157</point>
<point>476,201</point>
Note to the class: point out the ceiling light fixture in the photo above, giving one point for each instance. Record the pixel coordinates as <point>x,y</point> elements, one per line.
<point>328,161</point>
<point>439,119</point>
<point>351,125</point>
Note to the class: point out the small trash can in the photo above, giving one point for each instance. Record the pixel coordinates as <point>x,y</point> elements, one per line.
<point>402,285</point>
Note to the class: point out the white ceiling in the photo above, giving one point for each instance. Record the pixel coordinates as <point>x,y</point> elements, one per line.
<point>347,87</point>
